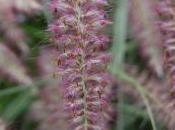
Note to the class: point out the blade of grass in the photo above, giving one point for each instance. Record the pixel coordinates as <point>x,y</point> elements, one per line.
<point>120,33</point>
<point>17,106</point>
<point>125,77</point>
<point>21,88</point>
<point>119,39</point>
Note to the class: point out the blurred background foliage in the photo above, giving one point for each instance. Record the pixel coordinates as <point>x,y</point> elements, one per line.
<point>20,85</point>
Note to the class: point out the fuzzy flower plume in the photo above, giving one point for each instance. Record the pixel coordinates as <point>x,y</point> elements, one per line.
<point>12,33</point>
<point>166,11</point>
<point>81,62</point>
<point>143,19</point>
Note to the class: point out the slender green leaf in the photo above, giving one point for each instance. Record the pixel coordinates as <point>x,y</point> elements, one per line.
<point>22,88</point>
<point>18,105</point>
<point>120,33</point>
<point>125,77</point>
<point>118,49</point>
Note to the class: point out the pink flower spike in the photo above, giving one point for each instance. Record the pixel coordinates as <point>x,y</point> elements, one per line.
<point>82,64</point>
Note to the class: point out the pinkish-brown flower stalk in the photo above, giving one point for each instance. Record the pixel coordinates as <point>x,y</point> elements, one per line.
<point>81,62</point>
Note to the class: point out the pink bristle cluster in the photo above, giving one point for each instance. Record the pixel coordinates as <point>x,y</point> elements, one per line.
<point>142,18</point>
<point>167,26</point>
<point>82,62</point>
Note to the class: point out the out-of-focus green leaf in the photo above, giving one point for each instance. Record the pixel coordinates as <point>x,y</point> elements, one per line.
<point>22,88</point>
<point>17,106</point>
<point>125,77</point>
<point>120,34</point>
<point>119,48</point>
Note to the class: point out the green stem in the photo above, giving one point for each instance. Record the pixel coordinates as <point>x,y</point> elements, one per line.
<point>125,77</point>
<point>119,48</point>
<point>120,33</point>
